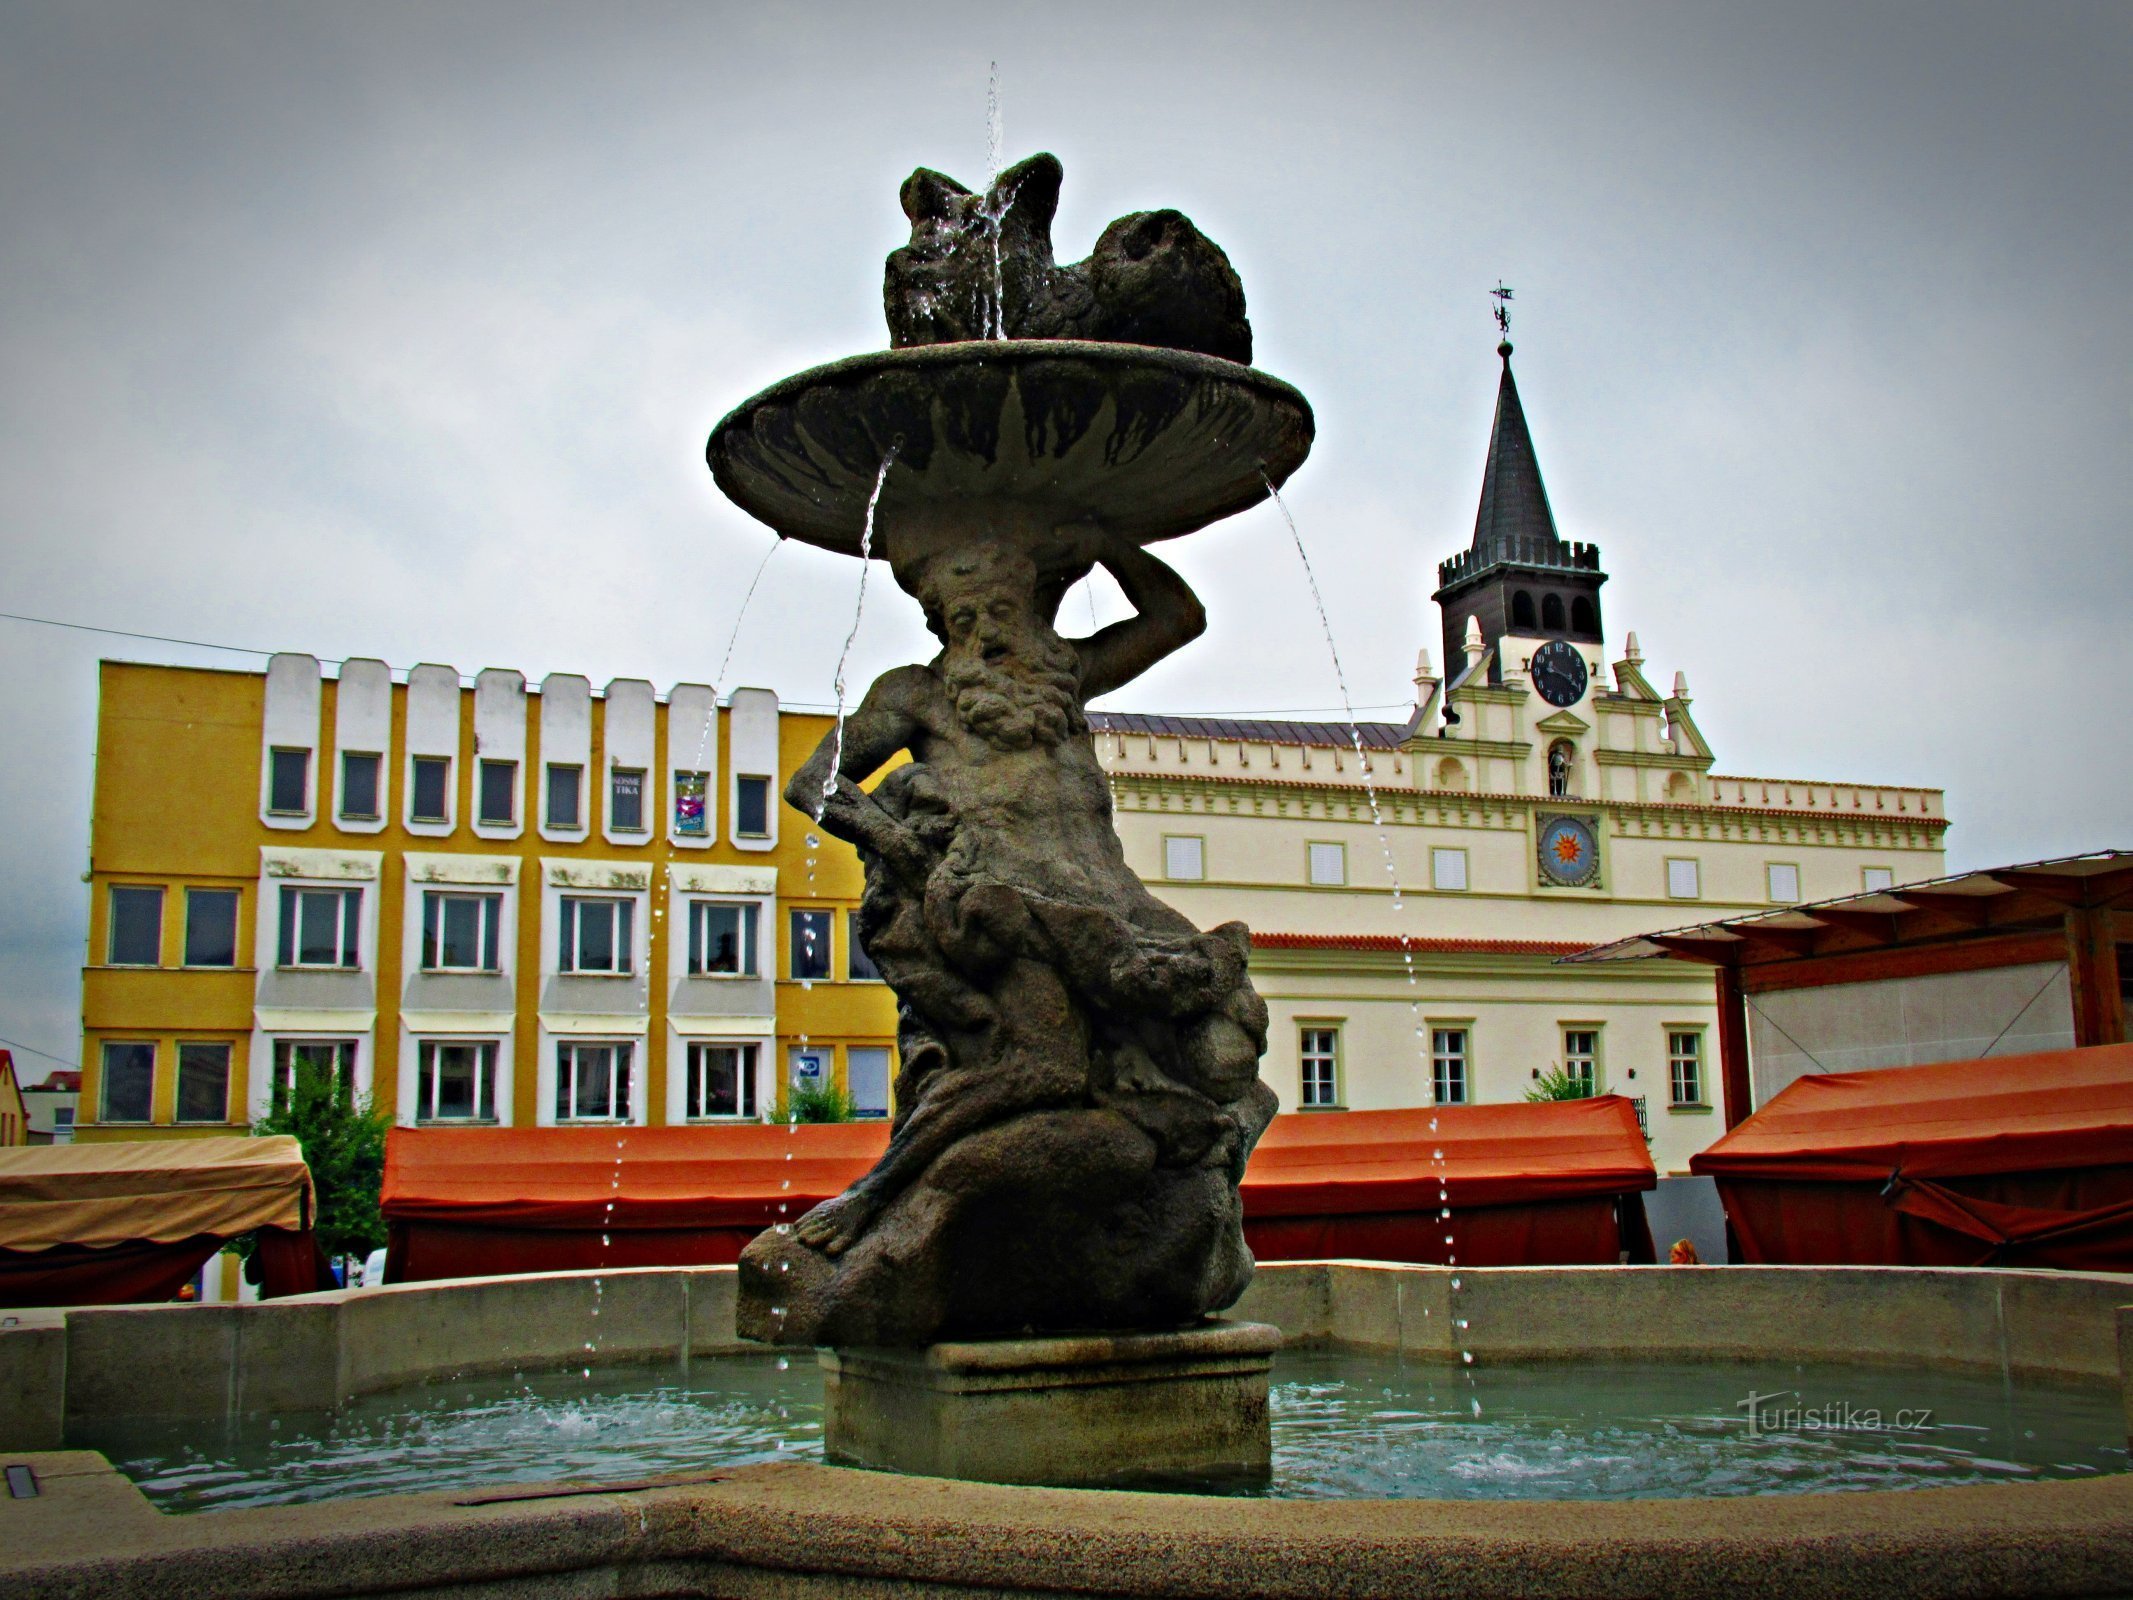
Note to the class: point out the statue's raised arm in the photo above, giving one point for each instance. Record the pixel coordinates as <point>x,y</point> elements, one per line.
<point>1168,616</point>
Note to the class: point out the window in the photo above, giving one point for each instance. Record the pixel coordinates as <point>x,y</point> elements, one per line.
<point>1684,878</point>
<point>1684,1065</point>
<point>318,927</point>
<point>460,931</point>
<point>129,1081</point>
<point>566,789</point>
<point>455,1080</point>
<point>1552,613</point>
<point>430,800</point>
<point>1581,1057</point>
<point>1877,877</point>
<point>499,793</point>
<point>1328,863</point>
<point>625,800</point>
<point>810,944</point>
<point>866,1078</point>
<point>1447,869</point>
<point>211,927</point>
<point>1784,881</point>
<point>859,966</point>
<point>203,1083</point>
<point>136,927</point>
<point>1583,619</point>
<point>721,939</point>
<point>721,1081</point>
<point>1183,858</point>
<point>289,782</point>
<point>1521,609</point>
<point>359,786</point>
<point>331,1059</point>
<point>596,935</point>
<point>810,1068</point>
<point>1320,1051</point>
<point>751,807</point>
<point>592,1082</point>
<point>1448,1066</point>
<point>691,817</point>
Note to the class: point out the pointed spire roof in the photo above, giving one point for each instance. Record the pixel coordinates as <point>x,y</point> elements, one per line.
<point>1514,522</point>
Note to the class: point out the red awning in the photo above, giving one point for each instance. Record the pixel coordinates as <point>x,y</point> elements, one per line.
<point>748,1175</point>
<point>1335,1163</point>
<point>1955,1119</point>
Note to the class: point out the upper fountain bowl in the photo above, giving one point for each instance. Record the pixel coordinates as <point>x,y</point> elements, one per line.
<point>1145,443</point>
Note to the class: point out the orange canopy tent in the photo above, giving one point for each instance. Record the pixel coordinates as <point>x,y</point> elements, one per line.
<point>474,1202</point>
<point>1548,1184</point>
<point>2007,1161</point>
<point>1527,1185</point>
<point>112,1223</point>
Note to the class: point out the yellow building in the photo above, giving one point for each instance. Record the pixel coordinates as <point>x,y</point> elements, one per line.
<point>482,902</point>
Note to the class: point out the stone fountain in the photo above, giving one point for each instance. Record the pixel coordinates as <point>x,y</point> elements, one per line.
<point>1021,1287</point>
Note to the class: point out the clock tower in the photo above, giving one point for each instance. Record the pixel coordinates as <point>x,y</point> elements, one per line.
<point>1518,577</point>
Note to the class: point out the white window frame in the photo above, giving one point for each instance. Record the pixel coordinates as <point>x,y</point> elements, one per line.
<point>111,930</point>
<point>750,913</point>
<point>1318,1065</point>
<point>1868,882</point>
<point>348,927</point>
<point>1771,869</point>
<point>1692,1058</point>
<point>702,827</point>
<point>281,1062</point>
<point>177,1103</point>
<point>770,800</point>
<point>617,777</point>
<point>570,910</point>
<point>274,758</point>
<point>193,894</point>
<point>103,1082</point>
<point>415,763</point>
<point>1587,1057</point>
<point>1694,878</point>
<point>427,1078</point>
<point>484,767</point>
<point>1448,1060</point>
<point>621,1060</point>
<point>548,776</point>
<point>1317,853</point>
<point>748,1080</point>
<point>1446,863</point>
<point>1185,857</point>
<point>488,930</point>
<point>828,914</point>
<point>376,813</point>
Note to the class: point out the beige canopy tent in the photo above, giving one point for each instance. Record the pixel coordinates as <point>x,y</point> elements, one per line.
<point>109,1223</point>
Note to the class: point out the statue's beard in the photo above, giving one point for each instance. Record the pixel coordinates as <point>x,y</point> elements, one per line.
<point>1019,701</point>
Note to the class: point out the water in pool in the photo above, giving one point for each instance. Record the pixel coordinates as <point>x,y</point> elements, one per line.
<point>1346,1426</point>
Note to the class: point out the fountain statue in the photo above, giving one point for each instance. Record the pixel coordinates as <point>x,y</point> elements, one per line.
<point>1079,1087</point>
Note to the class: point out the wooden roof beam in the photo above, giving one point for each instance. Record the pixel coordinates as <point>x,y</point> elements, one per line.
<point>1971,910</point>
<point>1786,941</point>
<point>1883,927</point>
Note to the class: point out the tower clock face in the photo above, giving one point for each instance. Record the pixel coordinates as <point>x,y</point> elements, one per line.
<point>1559,673</point>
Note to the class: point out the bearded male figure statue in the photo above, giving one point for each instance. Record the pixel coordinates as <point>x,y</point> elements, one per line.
<point>1079,1088</point>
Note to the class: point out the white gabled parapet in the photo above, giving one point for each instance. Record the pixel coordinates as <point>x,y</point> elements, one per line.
<point>290,724</point>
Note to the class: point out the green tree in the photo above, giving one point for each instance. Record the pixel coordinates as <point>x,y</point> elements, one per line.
<point>343,1139</point>
<point>827,1103</point>
<point>1558,1084</point>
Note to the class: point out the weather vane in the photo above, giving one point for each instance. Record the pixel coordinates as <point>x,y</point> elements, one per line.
<point>1502,297</point>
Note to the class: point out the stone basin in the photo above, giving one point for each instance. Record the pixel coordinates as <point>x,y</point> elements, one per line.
<point>839,1531</point>
<point>1142,443</point>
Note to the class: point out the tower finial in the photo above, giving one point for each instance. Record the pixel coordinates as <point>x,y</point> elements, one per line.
<point>1502,296</point>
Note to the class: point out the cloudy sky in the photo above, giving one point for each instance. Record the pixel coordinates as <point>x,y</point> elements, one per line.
<point>396,330</point>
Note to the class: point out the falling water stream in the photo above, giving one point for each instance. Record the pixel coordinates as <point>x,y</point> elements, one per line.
<point>859,610</point>
<point>1399,901</point>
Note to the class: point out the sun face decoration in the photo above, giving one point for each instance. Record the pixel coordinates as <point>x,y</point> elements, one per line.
<point>1569,853</point>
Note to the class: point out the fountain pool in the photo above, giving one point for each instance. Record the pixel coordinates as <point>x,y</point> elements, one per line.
<point>1346,1425</point>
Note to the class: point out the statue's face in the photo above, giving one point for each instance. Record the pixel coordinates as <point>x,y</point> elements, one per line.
<point>986,604</point>
<point>1015,681</point>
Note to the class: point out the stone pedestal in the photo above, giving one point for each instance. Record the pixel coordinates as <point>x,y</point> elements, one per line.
<point>1140,1408</point>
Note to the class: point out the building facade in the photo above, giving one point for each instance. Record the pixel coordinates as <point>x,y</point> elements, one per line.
<point>481,903</point>
<point>1412,887</point>
<point>486,901</point>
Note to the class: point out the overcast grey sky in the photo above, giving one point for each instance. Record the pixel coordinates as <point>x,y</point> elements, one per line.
<point>397,330</point>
